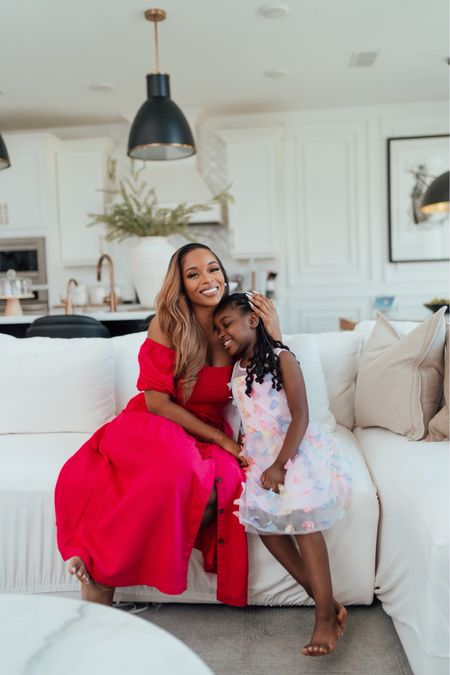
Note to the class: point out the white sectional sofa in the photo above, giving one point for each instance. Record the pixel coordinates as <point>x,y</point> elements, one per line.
<point>55,392</point>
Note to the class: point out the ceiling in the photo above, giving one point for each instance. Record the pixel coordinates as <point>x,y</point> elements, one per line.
<point>216,52</point>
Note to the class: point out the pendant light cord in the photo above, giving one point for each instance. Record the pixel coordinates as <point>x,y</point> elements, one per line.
<point>155,25</point>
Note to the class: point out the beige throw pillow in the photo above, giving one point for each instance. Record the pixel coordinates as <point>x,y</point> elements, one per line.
<point>438,428</point>
<point>399,382</point>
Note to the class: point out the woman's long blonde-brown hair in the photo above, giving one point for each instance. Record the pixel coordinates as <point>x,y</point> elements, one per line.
<point>178,321</point>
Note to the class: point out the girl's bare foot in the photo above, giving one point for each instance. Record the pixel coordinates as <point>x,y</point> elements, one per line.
<point>325,635</point>
<point>341,615</point>
<point>77,567</point>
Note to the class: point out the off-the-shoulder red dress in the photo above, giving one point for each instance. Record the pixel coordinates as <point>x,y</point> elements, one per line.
<point>131,500</point>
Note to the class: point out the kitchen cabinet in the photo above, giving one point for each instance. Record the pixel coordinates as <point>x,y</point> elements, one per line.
<point>253,161</point>
<point>26,187</point>
<point>81,171</point>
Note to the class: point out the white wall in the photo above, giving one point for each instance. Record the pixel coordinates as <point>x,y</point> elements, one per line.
<point>333,231</point>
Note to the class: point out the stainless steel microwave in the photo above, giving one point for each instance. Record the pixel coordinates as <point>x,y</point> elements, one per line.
<point>27,256</point>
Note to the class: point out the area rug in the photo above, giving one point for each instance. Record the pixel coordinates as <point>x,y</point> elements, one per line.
<point>267,640</point>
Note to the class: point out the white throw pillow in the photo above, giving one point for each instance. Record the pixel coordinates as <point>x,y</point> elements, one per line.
<point>55,384</point>
<point>340,354</point>
<point>365,328</point>
<point>126,367</point>
<point>400,378</point>
<point>305,348</point>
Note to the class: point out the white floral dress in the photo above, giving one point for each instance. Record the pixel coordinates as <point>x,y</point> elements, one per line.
<point>316,489</point>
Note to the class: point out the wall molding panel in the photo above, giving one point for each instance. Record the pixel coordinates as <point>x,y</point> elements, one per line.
<point>327,222</point>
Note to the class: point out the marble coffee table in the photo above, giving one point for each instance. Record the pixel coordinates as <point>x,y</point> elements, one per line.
<point>42,635</point>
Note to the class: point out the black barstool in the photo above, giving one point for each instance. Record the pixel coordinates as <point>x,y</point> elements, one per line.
<point>67,326</point>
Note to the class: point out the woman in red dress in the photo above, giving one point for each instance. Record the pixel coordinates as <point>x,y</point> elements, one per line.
<point>162,476</point>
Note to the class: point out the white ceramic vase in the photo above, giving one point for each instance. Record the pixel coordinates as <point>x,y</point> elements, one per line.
<point>149,258</point>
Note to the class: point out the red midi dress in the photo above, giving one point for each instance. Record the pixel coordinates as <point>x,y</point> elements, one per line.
<point>130,501</point>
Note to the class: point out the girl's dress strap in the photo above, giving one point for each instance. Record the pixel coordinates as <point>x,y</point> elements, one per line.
<point>278,350</point>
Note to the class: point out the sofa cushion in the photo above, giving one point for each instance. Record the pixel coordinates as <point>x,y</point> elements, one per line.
<point>32,462</point>
<point>126,366</point>
<point>306,349</point>
<point>438,428</point>
<point>340,354</point>
<point>399,381</point>
<point>55,384</point>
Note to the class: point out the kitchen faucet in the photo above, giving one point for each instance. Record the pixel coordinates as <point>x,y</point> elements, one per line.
<point>112,295</point>
<point>68,303</point>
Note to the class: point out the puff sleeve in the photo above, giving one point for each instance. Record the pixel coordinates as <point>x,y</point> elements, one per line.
<point>156,365</point>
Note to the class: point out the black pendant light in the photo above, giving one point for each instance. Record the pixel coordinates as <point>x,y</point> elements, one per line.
<point>160,130</point>
<point>4,158</point>
<point>436,197</point>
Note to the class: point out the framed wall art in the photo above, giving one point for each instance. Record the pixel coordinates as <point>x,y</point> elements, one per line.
<point>413,162</point>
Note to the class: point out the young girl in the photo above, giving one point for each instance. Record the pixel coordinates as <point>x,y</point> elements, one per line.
<point>297,484</point>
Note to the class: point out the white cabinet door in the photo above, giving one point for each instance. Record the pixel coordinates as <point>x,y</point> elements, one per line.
<point>252,164</point>
<point>23,196</point>
<point>81,177</point>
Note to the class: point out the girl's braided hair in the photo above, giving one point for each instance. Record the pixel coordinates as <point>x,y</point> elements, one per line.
<point>264,359</point>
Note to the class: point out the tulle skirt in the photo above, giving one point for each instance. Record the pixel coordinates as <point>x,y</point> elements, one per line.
<point>316,490</point>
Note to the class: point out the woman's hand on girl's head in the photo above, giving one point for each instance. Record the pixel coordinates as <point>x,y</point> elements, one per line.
<point>273,477</point>
<point>266,311</point>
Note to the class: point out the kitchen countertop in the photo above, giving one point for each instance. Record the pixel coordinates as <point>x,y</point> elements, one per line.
<point>125,313</point>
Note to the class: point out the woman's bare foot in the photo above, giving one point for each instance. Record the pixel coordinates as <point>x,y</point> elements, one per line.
<point>90,590</point>
<point>76,567</point>
<point>93,592</point>
<point>325,635</point>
